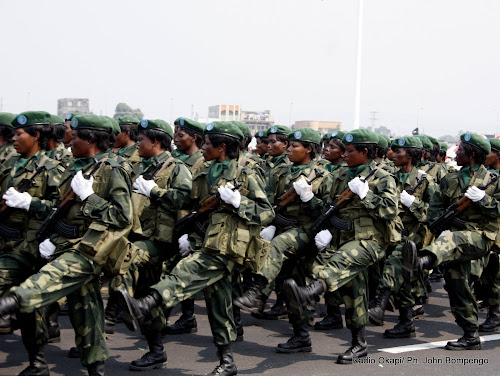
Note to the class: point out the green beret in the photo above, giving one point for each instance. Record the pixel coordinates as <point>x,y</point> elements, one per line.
<point>158,125</point>
<point>90,121</point>
<point>127,120</point>
<point>69,116</point>
<point>443,146</point>
<point>243,128</point>
<point>360,136</point>
<point>224,127</point>
<point>54,119</point>
<point>305,134</point>
<point>327,136</point>
<point>406,142</point>
<point>27,118</point>
<point>279,129</point>
<point>426,143</point>
<point>433,140</point>
<point>6,119</point>
<point>495,144</point>
<point>189,124</point>
<point>337,134</point>
<point>382,141</point>
<point>477,141</point>
<point>261,134</point>
<point>114,124</point>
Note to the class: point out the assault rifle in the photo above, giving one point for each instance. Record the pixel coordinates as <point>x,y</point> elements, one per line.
<point>23,186</point>
<point>449,217</point>
<point>53,220</point>
<point>330,216</point>
<point>284,200</point>
<point>152,174</point>
<point>193,220</point>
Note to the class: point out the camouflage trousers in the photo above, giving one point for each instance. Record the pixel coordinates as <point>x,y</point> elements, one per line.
<point>213,274</point>
<point>14,269</point>
<point>346,270</point>
<point>456,250</point>
<point>76,276</point>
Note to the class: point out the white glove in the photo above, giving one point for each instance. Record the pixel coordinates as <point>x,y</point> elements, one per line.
<point>407,199</point>
<point>303,189</point>
<point>323,239</point>
<point>184,246</point>
<point>475,194</point>
<point>229,196</point>
<point>144,186</point>
<point>421,172</point>
<point>46,249</point>
<point>359,187</point>
<point>268,233</point>
<point>81,186</point>
<point>443,233</point>
<point>18,200</point>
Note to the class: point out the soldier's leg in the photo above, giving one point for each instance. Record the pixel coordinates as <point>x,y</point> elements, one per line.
<point>491,283</point>
<point>86,312</point>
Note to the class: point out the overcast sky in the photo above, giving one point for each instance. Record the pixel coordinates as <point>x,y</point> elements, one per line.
<point>432,61</point>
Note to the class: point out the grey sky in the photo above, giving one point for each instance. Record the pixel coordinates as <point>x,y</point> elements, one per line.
<point>164,56</point>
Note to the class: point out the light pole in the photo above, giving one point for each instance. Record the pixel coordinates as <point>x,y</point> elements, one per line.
<point>357,95</point>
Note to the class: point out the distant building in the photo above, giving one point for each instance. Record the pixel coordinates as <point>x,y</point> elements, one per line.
<point>322,126</point>
<point>224,112</point>
<point>255,120</point>
<point>66,105</point>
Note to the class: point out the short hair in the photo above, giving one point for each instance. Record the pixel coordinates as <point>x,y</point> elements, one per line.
<point>415,154</point>
<point>315,148</point>
<point>282,138</point>
<point>442,153</point>
<point>43,139</point>
<point>263,140</point>
<point>338,142</point>
<point>56,132</point>
<point>103,139</point>
<point>198,138</point>
<point>381,152</point>
<point>163,138</point>
<point>434,152</point>
<point>479,154</point>
<point>132,130</point>
<point>245,142</point>
<point>372,149</point>
<point>7,133</point>
<point>232,144</point>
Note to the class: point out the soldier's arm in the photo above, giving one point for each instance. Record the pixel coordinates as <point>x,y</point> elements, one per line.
<point>40,207</point>
<point>322,199</point>
<point>437,202</point>
<point>178,195</point>
<point>255,207</point>
<point>420,206</point>
<point>490,205</point>
<point>383,201</point>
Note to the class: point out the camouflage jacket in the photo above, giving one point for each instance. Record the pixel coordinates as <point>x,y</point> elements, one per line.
<point>43,192</point>
<point>166,200</point>
<point>61,154</point>
<point>101,222</point>
<point>7,151</point>
<point>373,218</point>
<point>270,167</point>
<point>254,163</point>
<point>434,169</point>
<point>282,181</point>
<point>131,154</point>
<point>482,216</point>
<point>234,232</point>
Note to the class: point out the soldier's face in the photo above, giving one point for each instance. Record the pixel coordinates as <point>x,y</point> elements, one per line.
<point>390,154</point>
<point>402,158</point>
<point>462,158</point>
<point>298,154</point>
<point>182,140</point>
<point>209,151</point>
<point>121,139</point>
<point>261,147</point>
<point>68,134</point>
<point>276,147</point>
<point>24,143</point>
<point>355,158</point>
<point>333,152</point>
<point>492,158</point>
<point>79,146</point>
<point>146,147</point>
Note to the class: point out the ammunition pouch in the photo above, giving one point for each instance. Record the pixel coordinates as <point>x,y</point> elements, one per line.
<point>10,233</point>
<point>69,232</point>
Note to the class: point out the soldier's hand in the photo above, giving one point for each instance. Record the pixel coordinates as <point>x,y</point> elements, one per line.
<point>46,249</point>
<point>323,239</point>
<point>303,189</point>
<point>407,199</point>
<point>144,186</point>
<point>18,200</point>
<point>359,187</point>
<point>475,194</point>
<point>184,246</point>
<point>229,196</point>
<point>444,233</point>
<point>81,186</point>
<point>268,233</point>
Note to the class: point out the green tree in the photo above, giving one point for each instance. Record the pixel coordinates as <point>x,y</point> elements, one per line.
<point>383,130</point>
<point>123,109</point>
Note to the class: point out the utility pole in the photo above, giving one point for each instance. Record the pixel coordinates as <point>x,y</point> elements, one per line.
<point>373,119</point>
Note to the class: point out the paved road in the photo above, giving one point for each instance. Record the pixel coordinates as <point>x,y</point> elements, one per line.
<point>194,354</point>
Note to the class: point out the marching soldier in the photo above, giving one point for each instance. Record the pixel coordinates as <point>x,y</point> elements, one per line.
<point>127,140</point>
<point>7,150</point>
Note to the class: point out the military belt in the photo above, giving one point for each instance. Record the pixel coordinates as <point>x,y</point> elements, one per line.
<point>11,233</point>
<point>68,231</point>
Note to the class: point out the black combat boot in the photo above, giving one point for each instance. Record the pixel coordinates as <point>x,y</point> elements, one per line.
<point>277,310</point>
<point>469,341</point>
<point>226,366</point>
<point>253,299</point>
<point>138,310</point>
<point>412,263</point>
<point>237,321</point>
<point>155,358</point>
<point>5,325</point>
<point>436,275</point>
<point>52,317</point>
<point>405,328</point>
<point>187,322</point>
<point>111,312</point>
<point>357,350</point>
<point>38,366</point>
<point>8,305</point>
<point>73,353</point>
<point>300,341</point>
<point>492,321</point>
<point>332,320</point>
<point>300,297</point>
<point>96,369</point>
<point>417,312</point>
<point>377,312</point>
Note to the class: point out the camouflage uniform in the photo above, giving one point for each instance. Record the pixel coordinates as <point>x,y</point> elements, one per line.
<point>61,154</point>
<point>131,154</point>
<point>102,223</point>
<point>231,241</point>
<point>457,248</point>
<point>6,152</point>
